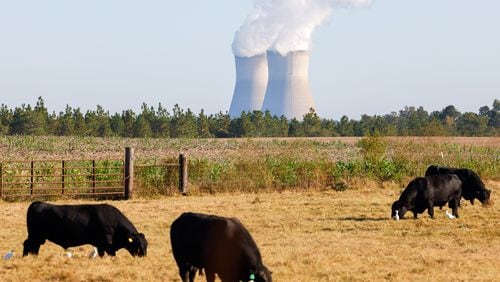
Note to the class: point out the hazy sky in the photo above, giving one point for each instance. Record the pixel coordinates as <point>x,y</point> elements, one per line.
<point>120,53</point>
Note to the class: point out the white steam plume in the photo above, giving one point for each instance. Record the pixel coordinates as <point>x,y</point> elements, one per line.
<point>284,25</point>
<point>351,3</point>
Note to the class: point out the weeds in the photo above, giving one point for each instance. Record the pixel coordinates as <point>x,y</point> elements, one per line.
<point>252,165</point>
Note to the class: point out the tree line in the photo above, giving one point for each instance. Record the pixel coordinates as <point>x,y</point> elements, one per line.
<point>158,122</point>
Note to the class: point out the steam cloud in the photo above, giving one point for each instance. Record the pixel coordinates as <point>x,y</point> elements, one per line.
<point>284,25</point>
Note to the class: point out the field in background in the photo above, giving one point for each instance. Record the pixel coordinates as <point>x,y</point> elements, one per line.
<point>270,164</point>
<point>303,236</point>
<point>318,207</point>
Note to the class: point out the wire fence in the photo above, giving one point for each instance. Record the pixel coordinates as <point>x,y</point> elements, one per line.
<point>81,178</point>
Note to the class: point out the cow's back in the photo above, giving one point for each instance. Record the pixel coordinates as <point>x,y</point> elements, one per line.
<point>432,170</point>
<point>471,182</point>
<point>443,187</point>
<point>41,218</point>
<point>215,243</point>
<point>413,191</point>
<point>74,225</point>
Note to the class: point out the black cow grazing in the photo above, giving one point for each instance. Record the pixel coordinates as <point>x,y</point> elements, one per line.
<point>472,186</point>
<point>427,192</point>
<point>102,226</point>
<point>218,245</point>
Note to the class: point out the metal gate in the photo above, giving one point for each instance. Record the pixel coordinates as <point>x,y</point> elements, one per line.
<point>93,178</point>
<point>36,178</point>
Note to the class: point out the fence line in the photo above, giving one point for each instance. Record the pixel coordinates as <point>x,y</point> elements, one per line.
<point>101,177</point>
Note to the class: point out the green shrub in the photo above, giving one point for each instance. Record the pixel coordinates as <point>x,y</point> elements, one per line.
<point>373,148</point>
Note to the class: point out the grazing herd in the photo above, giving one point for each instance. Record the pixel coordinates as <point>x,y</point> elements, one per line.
<point>427,192</point>
<point>220,245</point>
<point>440,186</point>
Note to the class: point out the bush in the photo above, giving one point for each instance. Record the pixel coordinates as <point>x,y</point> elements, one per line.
<point>373,148</point>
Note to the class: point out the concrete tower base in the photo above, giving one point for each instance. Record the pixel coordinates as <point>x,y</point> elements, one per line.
<point>288,92</point>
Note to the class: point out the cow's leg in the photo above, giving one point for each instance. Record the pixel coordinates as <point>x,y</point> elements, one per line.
<point>108,245</point>
<point>100,251</point>
<point>27,248</point>
<point>31,247</point>
<point>110,250</point>
<point>210,275</point>
<point>454,204</point>
<point>415,214</point>
<point>184,273</point>
<point>192,273</point>
<point>430,209</point>
<point>36,249</point>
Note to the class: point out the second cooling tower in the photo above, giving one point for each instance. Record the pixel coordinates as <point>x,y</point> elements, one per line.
<point>250,87</point>
<point>288,92</point>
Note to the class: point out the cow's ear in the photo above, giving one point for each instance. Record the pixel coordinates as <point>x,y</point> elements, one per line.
<point>130,240</point>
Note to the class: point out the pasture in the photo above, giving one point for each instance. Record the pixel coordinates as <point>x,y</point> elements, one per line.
<point>268,164</point>
<point>303,235</point>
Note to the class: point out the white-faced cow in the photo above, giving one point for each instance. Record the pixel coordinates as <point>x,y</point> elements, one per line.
<point>219,245</point>
<point>472,186</point>
<point>427,192</point>
<point>102,226</point>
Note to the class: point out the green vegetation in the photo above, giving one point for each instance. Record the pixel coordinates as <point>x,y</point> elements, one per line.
<point>159,123</point>
<point>252,165</point>
<point>51,178</point>
<point>374,159</point>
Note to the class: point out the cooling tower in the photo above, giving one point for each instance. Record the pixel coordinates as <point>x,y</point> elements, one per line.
<point>288,91</point>
<point>250,87</point>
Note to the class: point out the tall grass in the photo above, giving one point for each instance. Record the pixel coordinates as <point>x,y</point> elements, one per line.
<point>250,165</point>
<point>376,159</point>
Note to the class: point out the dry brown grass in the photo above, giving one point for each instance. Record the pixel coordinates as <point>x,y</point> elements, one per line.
<point>52,147</point>
<point>303,236</point>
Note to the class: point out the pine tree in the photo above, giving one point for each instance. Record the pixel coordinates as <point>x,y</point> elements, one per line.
<point>203,125</point>
<point>5,119</point>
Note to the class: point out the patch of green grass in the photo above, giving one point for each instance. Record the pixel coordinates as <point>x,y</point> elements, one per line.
<point>253,165</point>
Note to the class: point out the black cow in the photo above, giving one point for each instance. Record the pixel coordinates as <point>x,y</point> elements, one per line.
<point>218,245</point>
<point>472,186</point>
<point>427,192</point>
<point>102,226</point>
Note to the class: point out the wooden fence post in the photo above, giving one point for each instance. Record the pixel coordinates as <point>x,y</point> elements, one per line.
<point>63,171</point>
<point>129,173</point>
<point>93,176</point>
<point>31,178</point>
<point>183,174</point>
<point>1,179</point>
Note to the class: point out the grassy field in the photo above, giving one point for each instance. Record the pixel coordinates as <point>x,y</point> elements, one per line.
<point>315,235</point>
<point>269,164</point>
<point>317,207</point>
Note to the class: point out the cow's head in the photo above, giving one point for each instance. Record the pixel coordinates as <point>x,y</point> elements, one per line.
<point>473,187</point>
<point>397,206</point>
<point>137,245</point>
<point>262,274</point>
<point>483,196</point>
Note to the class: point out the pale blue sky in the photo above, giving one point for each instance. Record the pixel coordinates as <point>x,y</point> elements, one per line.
<point>120,53</point>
